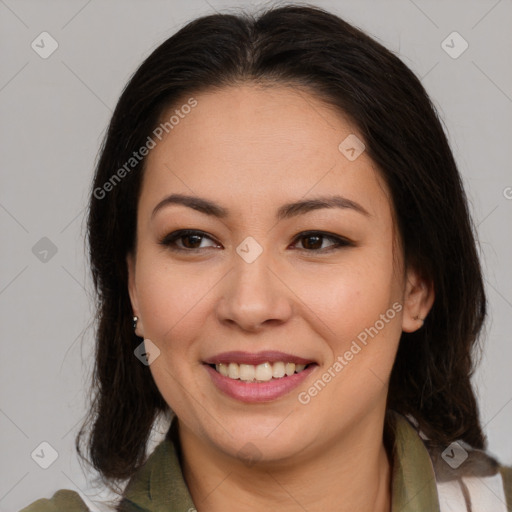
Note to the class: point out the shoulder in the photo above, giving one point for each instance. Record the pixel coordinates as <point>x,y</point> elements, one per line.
<point>62,501</point>
<point>476,476</point>
<point>506,474</point>
<point>466,478</point>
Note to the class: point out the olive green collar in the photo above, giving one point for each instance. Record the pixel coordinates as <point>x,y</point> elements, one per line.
<point>159,485</point>
<point>413,479</point>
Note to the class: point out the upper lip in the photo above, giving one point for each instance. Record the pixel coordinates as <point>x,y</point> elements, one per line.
<point>266,356</point>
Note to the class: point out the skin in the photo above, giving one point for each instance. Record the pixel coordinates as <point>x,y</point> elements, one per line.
<point>252,149</point>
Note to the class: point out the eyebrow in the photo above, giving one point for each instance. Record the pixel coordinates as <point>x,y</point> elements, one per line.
<point>286,211</point>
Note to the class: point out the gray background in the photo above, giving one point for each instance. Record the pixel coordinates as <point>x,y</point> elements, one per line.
<point>54,112</point>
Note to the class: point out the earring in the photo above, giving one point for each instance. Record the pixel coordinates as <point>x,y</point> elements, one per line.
<point>417,317</point>
<point>135,319</point>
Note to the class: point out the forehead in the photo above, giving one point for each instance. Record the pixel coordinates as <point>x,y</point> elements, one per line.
<point>262,141</point>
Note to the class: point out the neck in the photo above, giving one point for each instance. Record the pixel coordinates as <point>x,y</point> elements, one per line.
<point>346,474</point>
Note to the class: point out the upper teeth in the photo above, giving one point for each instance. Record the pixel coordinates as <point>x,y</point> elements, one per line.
<point>261,372</point>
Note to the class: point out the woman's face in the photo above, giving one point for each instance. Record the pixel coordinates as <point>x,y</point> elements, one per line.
<point>270,276</point>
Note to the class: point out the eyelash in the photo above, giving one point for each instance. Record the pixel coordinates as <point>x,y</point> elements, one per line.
<point>170,239</point>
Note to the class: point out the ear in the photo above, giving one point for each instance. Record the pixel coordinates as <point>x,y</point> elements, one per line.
<point>132,291</point>
<point>418,300</point>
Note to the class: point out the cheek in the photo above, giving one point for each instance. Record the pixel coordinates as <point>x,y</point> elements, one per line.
<point>172,305</point>
<point>351,296</point>
<point>172,300</point>
<point>363,314</point>
<point>338,301</point>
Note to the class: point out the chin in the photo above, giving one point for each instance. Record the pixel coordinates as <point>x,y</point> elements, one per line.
<point>269,440</point>
<point>262,451</point>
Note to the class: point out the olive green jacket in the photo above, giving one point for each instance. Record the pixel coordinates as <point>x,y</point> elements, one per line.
<point>422,481</point>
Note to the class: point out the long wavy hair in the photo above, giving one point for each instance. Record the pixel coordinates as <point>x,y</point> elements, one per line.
<point>302,46</point>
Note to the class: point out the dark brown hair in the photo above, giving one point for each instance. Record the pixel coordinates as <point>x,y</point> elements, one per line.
<point>307,47</point>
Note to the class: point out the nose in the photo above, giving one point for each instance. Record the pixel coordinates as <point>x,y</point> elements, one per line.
<point>254,295</point>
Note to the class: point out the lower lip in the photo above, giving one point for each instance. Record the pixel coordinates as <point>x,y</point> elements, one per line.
<point>258,391</point>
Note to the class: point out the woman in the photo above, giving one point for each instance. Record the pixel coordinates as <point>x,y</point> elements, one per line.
<point>284,258</point>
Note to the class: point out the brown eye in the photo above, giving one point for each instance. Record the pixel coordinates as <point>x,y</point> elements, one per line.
<point>313,241</point>
<point>191,241</point>
<point>185,240</point>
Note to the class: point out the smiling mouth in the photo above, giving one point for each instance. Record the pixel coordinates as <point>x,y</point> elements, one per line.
<point>264,372</point>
